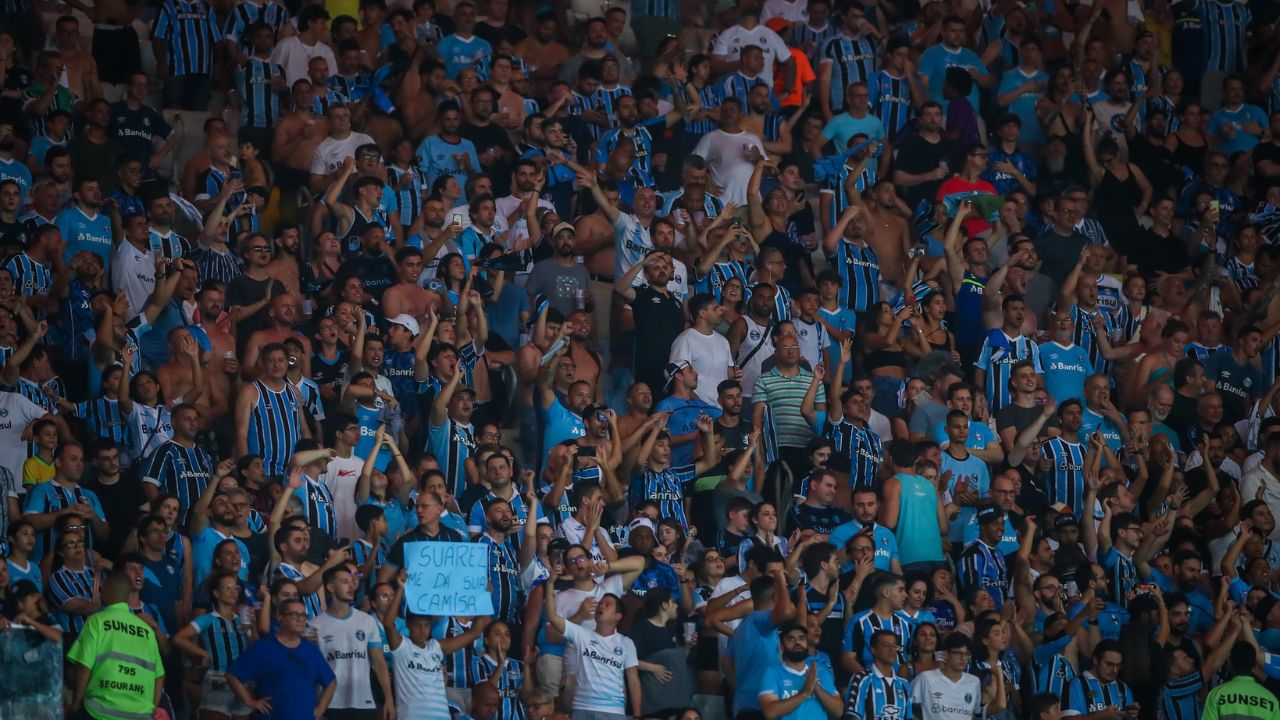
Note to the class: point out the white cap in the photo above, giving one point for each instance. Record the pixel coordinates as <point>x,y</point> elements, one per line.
<point>407,322</point>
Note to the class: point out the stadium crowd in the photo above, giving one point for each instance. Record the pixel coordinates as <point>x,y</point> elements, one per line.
<point>791,359</point>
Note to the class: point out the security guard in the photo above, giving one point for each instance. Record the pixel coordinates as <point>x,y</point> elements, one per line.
<point>1242,696</point>
<point>118,673</point>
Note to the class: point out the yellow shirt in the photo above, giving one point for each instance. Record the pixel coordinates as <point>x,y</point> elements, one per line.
<point>350,8</point>
<point>36,471</point>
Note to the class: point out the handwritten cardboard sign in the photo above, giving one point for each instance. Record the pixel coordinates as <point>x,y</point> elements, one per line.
<point>447,578</point>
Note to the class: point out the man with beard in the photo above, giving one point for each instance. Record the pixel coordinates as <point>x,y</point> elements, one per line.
<point>658,313</point>
<point>798,685</point>
<point>1188,386</point>
<point>482,132</point>
<point>213,519</point>
<point>296,138</point>
<point>407,297</point>
<point>504,568</point>
<point>691,206</point>
<point>169,243</point>
<point>93,149</point>
<point>375,265</point>
<point>628,114</point>
<point>1185,579</point>
<point>922,159</point>
<point>84,226</point>
<point>1061,245</point>
<point>512,209</point>
<point>560,279</point>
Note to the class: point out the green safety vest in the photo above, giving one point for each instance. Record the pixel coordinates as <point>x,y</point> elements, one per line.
<point>1241,697</point>
<point>124,663</point>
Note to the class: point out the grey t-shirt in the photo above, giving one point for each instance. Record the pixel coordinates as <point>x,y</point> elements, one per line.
<point>927,416</point>
<point>561,285</point>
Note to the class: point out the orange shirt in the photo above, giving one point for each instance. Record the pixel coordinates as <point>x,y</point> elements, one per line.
<point>804,76</point>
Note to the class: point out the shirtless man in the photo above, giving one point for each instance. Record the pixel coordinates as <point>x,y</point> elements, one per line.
<point>82,69</point>
<point>213,319</point>
<point>298,134</point>
<point>283,313</point>
<point>406,296</point>
<point>116,48</point>
<point>417,97</point>
<point>887,231</point>
<point>177,378</point>
<point>284,266</point>
<point>199,163</point>
<point>588,359</point>
<point>372,17</point>
<point>596,242</point>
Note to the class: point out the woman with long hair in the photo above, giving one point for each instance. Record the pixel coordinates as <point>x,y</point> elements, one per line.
<point>1189,144</point>
<point>1059,110</point>
<point>214,640</point>
<point>932,322</point>
<point>709,571</point>
<point>990,655</point>
<point>886,359</point>
<point>319,270</point>
<point>924,650</point>
<point>1121,192</point>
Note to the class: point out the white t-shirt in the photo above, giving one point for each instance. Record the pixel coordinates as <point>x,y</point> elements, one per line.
<point>346,644</point>
<point>419,673</point>
<point>293,56</point>
<point>709,355</point>
<point>518,231</point>
<point>726,156</point>
<point>793,11</point>
<point>134,272</point>
<point>729,586</point>
<point>330,153</point>
<point>941,699</point>
<point>341,476</point>
<point>568,601</point>
<point>602,669</point>
<point>730,43</point>
<point>16,413</point>
<point>575,532</point>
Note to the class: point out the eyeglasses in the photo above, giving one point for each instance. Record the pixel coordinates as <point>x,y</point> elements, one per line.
<point>260,248</point>
<point>862,548</point>
<point>72,544</point>
<point>70,528</point>
<point>577,560</point>
<point>293,614</point>
<point>383,596</point>
<point>491,434</point>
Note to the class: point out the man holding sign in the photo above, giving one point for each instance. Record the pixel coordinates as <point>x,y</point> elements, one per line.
<point>418,665</point>
<point>605,658</point>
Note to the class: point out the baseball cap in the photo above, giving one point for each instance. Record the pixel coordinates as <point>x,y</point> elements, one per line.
<point>642,522</point>
<point>673,369</point>
<point>1065,520</point>
<point>990,513</point>
<point>407,322</point>
<point>561,227</point>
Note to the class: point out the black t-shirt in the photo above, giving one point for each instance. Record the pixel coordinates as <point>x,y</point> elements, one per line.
<point>1059,253</point>
<point>120,502</point>
<point>1153,253</point>
<point>495,35</point>
<point>243,291</point>
<point>376,272</point>
<point>650,639</point>
<point>916,156</point>
<point>485,137</point>
<point>1156,162</point>
<point>819,520</point>
<point>659,321</point>
<point>1264,151</point>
